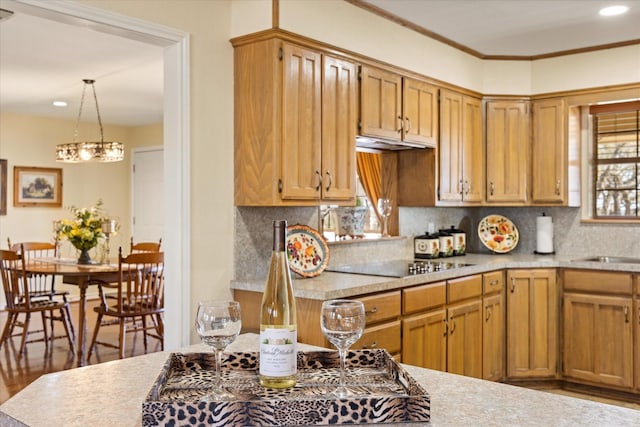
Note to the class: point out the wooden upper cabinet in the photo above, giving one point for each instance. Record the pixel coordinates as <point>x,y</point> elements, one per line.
<point>549,152</point>
<point>450,166</point>
<point>381,103</point>
<point>507,151</point>
<point>398,108</point>
<point>420,112</point>
<point>461,149</point>
<point>295,125</point>
<point>339,118</point>
<point>301,123</point>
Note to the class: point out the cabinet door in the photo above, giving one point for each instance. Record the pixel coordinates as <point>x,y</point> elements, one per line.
<point>420,112</point>
<point>493,338</point>
<point>549,152</point>
<point>301,123</point>
<point>507,151</point>
<point>598,339</point>
<point>339,121</point>
<point>450,184</point>
<point>464,343</point>
<point>532,323</point>
<point>424,340</point>
<point>381,103</point>
<point>472,149</point>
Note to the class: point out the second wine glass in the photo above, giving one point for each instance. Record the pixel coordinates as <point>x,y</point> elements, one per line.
<point>342,323</point>
<point>384,210</point>
<point>218,323</point>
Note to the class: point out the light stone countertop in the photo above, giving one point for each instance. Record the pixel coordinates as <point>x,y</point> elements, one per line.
<point>111,394</point>
<point>330,285</point>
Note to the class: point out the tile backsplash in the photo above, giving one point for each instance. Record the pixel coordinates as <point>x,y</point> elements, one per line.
<point>253,234</point>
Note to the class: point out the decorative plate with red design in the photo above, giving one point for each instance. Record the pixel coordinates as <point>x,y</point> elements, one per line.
<point>498,233</point>
<point>307,250</point>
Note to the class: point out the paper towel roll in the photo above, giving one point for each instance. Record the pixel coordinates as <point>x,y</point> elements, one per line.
<point>544,234</point>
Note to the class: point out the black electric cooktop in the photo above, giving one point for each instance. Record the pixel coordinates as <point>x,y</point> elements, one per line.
<point>399,268</point>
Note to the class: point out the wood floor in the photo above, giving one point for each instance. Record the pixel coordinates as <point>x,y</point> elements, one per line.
<point>18,372</point>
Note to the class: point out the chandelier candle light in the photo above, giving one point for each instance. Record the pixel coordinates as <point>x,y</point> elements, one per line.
<point>96,151</point>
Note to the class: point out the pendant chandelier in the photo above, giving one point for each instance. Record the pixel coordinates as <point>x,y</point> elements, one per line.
<point>89,151</point>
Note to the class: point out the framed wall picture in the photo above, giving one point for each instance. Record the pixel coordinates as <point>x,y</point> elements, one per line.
<point>3,186</point>
<point>37,186</point>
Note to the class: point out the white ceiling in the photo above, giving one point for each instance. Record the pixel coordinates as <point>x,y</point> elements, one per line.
<point>526,28</point>
<point>43,60</point>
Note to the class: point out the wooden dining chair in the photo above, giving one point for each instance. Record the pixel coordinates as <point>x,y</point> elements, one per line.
<point>15,283</point>
<point>145,246</point>
<point>140,288</point>
<point>41,286</point>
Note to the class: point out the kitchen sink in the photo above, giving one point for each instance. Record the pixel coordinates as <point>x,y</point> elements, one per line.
<point>610,259</point>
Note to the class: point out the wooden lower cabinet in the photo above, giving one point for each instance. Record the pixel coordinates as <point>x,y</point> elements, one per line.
<point>598,320</point>
<point>532,323</point>
<point>598,339</point>
<point>424,340</point>
<point>493,338</point>
<point>464,341</point>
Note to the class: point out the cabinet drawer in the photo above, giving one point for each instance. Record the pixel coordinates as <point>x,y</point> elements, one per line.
<point>386,335</point>
<point>381,307</point>
<point>464,288</point>
<point>424,297</point>
<point>598,281</point>
<point>493,282</point>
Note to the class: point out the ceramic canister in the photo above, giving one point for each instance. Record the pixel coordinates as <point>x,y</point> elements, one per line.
<point>459,240</point>
<point>446,243</point>
<point>426,246</point>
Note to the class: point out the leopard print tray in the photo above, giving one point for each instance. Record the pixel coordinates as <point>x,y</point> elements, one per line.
<point>383,392</point>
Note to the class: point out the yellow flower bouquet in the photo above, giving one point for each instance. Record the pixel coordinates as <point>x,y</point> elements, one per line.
<point>84,230</point>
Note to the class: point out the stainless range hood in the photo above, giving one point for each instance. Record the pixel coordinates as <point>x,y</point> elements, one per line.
<point>385,144</point>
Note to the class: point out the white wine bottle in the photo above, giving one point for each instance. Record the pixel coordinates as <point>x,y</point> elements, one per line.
<point>278,332</point>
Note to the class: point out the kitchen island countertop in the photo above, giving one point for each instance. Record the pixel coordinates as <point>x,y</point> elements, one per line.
<point>112,393</point>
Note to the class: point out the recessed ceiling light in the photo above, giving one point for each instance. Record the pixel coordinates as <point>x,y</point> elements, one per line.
<point>613,10</point>
<point>59,103</point>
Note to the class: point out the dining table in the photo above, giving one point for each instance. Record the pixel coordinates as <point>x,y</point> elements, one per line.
<point>80,275</point>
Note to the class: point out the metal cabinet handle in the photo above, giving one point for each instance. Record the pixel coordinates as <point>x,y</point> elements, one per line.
<point>461,187</point>
<point>494,282</point>
<point>467,187</point>
<point>446,327</point>
<point>400,128</point>
<point>558,187</point>
<point>492,187</point>
<point>372,345</point>
<point>374,310</point>
<point>453,325</point>
<point>319,181</point>
<point>408,124</point>
<point>330,181</point>
<point>488,316</point>
<point>626,314</point>
<point>513,284</point>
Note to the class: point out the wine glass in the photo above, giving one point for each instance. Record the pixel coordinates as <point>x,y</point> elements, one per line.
<point>342,323</point>
<point>218,324</point>
<point>384,209</point>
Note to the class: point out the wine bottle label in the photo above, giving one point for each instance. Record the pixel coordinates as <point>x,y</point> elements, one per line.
<point>278,352</point>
